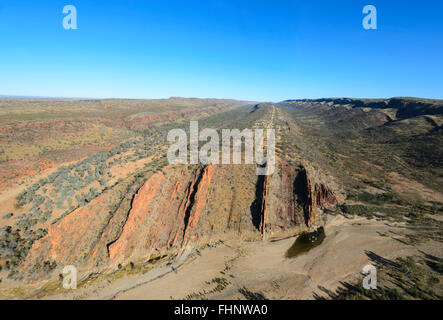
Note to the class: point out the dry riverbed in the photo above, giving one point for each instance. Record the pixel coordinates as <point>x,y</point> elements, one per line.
<point>260,269</point>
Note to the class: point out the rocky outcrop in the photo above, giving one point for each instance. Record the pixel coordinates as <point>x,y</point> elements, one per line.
<point>180,206</point>
<point>293,197</point>
<point>264,206</point>
<point>152,224</point>
<point>312,194</point>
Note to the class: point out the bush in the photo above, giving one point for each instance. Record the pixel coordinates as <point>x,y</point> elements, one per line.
<point>358,210</point>
<point>7,216</point>
<point>407,265</point>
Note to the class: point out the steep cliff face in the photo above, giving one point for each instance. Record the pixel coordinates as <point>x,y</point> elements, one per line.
<point>292,196</point>
<point>264,205</point>
<point>179,206</point>
<point>312,194</point>
<point>164,214</point>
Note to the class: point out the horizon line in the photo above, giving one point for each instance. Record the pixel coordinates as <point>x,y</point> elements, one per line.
<point>207,98</point>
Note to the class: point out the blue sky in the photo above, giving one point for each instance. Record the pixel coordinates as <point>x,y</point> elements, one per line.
<point>263,50</point>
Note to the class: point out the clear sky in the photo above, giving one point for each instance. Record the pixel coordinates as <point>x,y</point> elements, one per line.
<point>263,50</point>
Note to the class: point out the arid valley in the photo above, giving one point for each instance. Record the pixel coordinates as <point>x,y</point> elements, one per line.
<point>87,183</point>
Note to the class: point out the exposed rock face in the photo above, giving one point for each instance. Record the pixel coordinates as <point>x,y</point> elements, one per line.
<point>292,196</point>
<point>139,222</point>
<point>81,236</point>
<point>264,206</point>
<point>150,226</point>
<point>180,206</point>
<point>311,195</point>
<point>74,237</point>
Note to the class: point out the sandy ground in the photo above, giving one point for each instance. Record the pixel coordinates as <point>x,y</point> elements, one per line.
<point>242,270</point>
<point>261,268</point>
